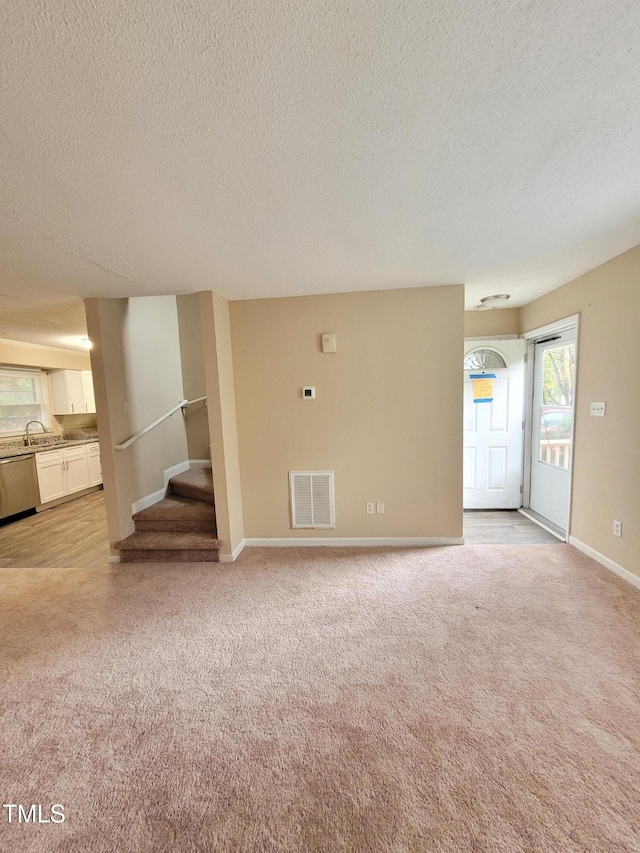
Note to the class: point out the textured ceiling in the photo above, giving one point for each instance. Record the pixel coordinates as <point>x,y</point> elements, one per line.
<point>277,148</point>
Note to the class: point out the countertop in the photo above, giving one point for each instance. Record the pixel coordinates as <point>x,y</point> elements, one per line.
<point>50,444</point>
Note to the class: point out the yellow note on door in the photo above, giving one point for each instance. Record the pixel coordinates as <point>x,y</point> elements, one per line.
<point>482,390</point>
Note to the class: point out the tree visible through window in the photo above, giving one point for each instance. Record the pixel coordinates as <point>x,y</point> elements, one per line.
<point>21,400</point>
<point>559,368</point>
<point>556,411</point>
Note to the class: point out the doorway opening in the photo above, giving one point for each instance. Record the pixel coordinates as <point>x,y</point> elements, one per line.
<point>551,382</point>
<point>493,425</point>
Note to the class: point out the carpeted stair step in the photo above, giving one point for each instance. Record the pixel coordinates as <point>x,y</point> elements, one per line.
<point>196,483</point>
<point>163,547</point>
<point>177,514</point>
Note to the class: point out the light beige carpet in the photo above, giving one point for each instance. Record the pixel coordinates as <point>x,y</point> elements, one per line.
<point>480,698</point>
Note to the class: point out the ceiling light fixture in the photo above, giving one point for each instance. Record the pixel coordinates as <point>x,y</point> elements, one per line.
<point>497,301</point>
<point>86,343</point>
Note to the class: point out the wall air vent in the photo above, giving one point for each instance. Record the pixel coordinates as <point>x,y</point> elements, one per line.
<point>312,499</point>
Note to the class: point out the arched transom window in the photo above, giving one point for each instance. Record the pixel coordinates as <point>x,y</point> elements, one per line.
<point>484,359</point>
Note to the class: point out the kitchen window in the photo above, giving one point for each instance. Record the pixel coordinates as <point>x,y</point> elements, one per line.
<point>23,398</point>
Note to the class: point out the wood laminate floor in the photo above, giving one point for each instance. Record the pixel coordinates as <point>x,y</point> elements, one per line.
<point>72,535</point>
<point>504,527</point>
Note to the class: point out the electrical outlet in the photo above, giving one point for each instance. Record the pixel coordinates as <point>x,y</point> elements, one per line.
<point>126,408</point>
<point>370,508</point>
<point>617,528</point>
<point>380,507</point>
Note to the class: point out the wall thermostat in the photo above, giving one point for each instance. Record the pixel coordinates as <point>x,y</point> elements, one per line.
<point>328,342</point>
<point>309,393</point>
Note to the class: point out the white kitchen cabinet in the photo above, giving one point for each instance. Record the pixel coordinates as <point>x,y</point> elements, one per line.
<point>77,469</point>
<point>51,475</point>
<point>72,392</point>
<point>87,391</point>
<point>62,472</point>
<point>93,461</point>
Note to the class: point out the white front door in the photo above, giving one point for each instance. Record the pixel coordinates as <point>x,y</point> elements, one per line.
<point>552,426</point>
<point>493,431</point>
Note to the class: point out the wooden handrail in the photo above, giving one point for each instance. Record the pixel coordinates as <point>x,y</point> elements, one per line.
<point>181,405</point>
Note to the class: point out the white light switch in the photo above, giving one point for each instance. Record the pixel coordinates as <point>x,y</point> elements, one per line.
<point>598,409</point>
<point>328,343</point>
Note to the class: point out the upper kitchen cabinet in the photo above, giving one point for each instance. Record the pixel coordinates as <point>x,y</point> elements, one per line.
<point>87,391</point>
<point>72,392</point>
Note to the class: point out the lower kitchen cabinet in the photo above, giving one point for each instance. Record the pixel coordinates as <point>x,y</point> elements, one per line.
<point>77,469</point>
<point>93,461</point>
<point>51,472</point>
<point>67,470</point>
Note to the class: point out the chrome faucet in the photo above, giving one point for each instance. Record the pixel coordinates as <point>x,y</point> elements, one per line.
<point>27,436</point>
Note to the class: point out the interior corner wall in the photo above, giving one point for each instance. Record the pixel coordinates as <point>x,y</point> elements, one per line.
<point>606,463</point>
<point>494,322</point>
<point>221,409</point>
<point>135,360</point>
<point>193,379</point>
<point>387,417</point>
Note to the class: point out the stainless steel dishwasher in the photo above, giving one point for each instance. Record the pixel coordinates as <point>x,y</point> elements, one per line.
<point>18,485</point>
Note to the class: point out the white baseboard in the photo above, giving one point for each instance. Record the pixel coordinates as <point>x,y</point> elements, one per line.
<point>231,558</point>
<point>147,500</point>
<point>167,474</point>
<point>617,569</point>
<point>199,463</point>
<point>180,468</point>
<point>357,542</point>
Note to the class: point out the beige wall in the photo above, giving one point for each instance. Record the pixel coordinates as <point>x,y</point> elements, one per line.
<point>220,389</point>
<point>104,322</point>
<point>193,379</point>
<point>496,321</point>
<point>135,359</point>
<point>387,417</point>
<point>30,355</point>
<point>606,472</point>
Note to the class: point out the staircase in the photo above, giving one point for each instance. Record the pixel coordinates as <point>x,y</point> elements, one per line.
<point>181,528</point>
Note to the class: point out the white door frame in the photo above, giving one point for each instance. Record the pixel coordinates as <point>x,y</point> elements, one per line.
<point>493,342</point>
<point>572,321</point>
